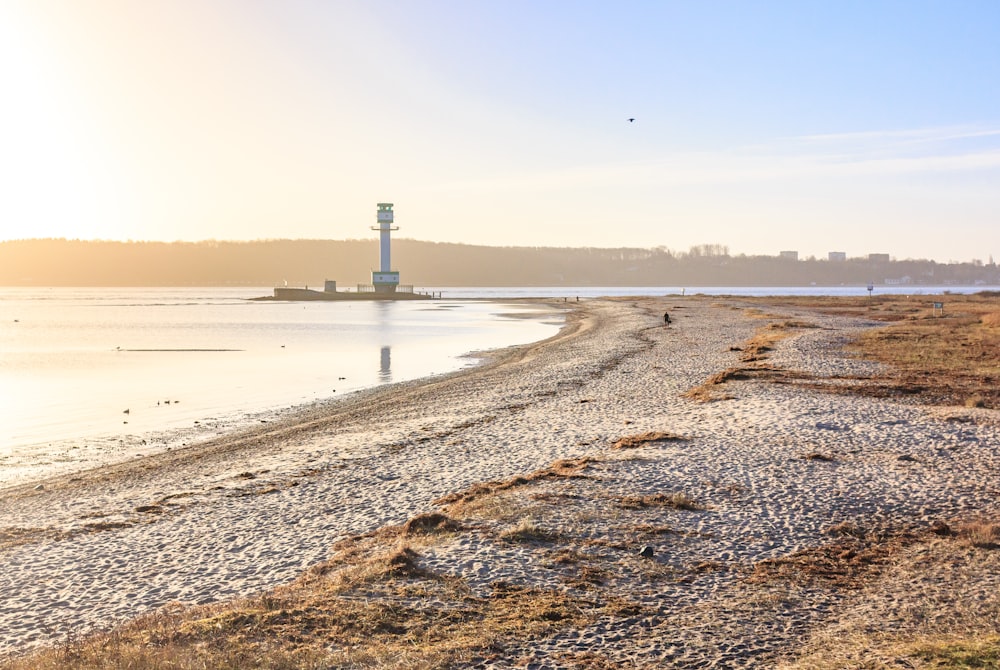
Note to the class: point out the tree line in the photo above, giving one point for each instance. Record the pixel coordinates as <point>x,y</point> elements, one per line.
<point>63,262</point>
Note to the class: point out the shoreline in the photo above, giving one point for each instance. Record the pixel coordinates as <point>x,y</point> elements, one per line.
<point>252,511</point>
<point>282,422</point>
<point>100,511</point>
<point>58,451</point>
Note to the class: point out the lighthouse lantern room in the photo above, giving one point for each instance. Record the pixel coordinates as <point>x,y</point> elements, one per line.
<point>385,279</point>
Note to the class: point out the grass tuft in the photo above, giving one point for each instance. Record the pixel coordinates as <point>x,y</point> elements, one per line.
<point>975,400</point>
<point>959,654</point>
<point>845,529</point>
<point>991,320</point>
<point>566,468</point>
<point>980,534</point>
<point>633,441</point>
<point>432,522</point>
<point>527,531</point>
<point>677,500</point>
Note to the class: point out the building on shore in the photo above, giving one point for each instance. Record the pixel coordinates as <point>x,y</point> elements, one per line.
<point>837,256</point>
<point>385,281</point>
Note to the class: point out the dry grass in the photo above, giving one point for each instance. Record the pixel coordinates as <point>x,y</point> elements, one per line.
<point>375,603</point>
<point>527,530</point>
<point>366,608</point>
<point>843,563</point>
<point>708,392</point>
<point>712,389</point>
<point>845,528</point>
<point>990,320</point>
<point>953,360</point>
<point>567,468</point>
<point>818,456</point>
<point>13,536</point>
<point>982,534</point>
<point>904,617</point>
<point>647,530</point>
<point>431,522</point>
<point>753,354</point>
<point>642,439</point>
<point>764,340</point>
<point>979,652</point>
<point>677,500</point>
<point>975,400</point>
<point>949,359</point>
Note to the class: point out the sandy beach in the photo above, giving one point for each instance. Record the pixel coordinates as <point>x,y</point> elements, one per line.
<point>717,537</point>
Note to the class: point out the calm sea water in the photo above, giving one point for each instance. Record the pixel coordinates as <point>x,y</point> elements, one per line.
<point>116,367</point>
<point>92,375</point>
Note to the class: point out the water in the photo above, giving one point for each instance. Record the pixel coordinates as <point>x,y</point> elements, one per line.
<point>104,374</point>
<point>89,376</point>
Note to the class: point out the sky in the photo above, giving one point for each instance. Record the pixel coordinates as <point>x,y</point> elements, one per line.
<point>859,125</point>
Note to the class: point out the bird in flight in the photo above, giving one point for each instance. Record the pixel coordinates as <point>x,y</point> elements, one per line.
<point>631,120</point>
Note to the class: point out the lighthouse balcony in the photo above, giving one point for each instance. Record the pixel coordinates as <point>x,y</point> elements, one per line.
<point>386,288</point>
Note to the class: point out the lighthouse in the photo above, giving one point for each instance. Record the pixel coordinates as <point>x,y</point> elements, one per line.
<point>385,279</point>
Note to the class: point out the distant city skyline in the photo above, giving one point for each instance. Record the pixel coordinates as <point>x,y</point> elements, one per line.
<point>865,128</point>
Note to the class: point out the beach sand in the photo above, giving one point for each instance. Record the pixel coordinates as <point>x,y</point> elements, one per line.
<point>730,541</point>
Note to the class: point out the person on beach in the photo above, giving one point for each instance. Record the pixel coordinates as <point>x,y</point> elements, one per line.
<point>666,318</point>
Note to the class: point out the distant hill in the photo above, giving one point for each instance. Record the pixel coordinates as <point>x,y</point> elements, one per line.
<point>60,262</point>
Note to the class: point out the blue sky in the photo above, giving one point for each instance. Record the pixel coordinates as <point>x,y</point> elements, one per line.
<point>815,126</point>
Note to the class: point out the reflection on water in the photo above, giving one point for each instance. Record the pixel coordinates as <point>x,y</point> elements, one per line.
<point>72,361</point>
<point>385,365</point>
<point>384,309</point>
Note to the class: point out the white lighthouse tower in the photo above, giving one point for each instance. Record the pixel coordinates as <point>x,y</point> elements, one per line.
<point>385,279</point>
